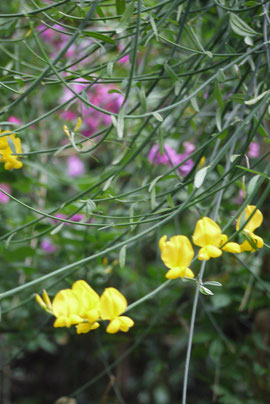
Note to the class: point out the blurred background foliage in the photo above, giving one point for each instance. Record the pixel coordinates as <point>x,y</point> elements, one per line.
<point>185,89</point>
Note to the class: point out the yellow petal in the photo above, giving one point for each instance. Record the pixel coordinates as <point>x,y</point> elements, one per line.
<point>62,321</point>
<point>125,323</point>
<point>92,315</point>
<point>254,222</point>
<point>208,252</point>
<point>83,328</point>
<point>112,304</point>
<point>232,248</point>
<point>40,301</point>
<point>179,273</point>
<point>206,232</point>
<point>114,326</point>
<point>177,252</point>
<point>247,246</point>
<point>65,303</point>
<point>46,299</point>
<point>88,299</point>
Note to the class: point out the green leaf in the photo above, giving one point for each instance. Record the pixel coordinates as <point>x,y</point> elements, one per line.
<point>218,95</point>
<point>11,145</point>
<point>200,177</point>
<point>256,99</point>
<point>100,12</point>
<point>170,72</point>
<point>120,6</point>
<point>253,171</point>
<point>240,27</point>
<point>122,256</point>
<point>101,37</point>
<point>157,116</point>
<point>206,291</point>
<point>153,183</point>
<point>195,104</point>
<point>252,184</point>
<point>212,283</point>
<point>170,201</point>
<point>126,18</point>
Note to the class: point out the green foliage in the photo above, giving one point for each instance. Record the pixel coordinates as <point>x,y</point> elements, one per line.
<point>138,74</point>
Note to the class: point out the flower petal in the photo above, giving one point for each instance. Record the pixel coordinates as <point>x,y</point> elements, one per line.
<point>114,326</point>
<point>125,323</point>
<point>84,328</point>
<point>232,248</point>
<point>208,252</point>
<point>254,222</point>
<point>112,304</point>
<point>206,232</point>
<point>177,252</point>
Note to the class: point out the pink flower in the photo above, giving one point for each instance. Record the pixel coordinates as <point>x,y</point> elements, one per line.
<point>189,147</point>
<point>47,246</point>
<point>172,158</point>
<point>169,155</point>
<point>78,217</point>
<point>3,197</point>
<point>14,119</point>
<point>240,197</point>
<point>75,166</point>
<point>254,150</point>
<point>98,95</point>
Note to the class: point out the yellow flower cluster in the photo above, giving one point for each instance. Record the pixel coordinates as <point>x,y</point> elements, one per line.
<point>82,306</point>
<point>177,253</point>
<point>10,161</point>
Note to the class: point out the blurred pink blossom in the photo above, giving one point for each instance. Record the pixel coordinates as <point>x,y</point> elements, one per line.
<point>172,158</point>
<point>3,197</point>
<point>98,95</point>
<point>78,217</point>
<point>14,119</point>
<point>47,246</point>
<point>189,147</point>
<point>240,197</point>
<point>124,59</point>
<point>75,166</point>
<point>254,150</point>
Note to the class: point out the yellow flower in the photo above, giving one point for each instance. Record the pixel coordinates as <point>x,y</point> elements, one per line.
<point>253,241</point>
<point>66,308</point>
<point>208,235</point>
<point>177,254</point>
<point>89,306</point>
<point>112,304</point>
<point>10,161</point>
<point>77,306</point>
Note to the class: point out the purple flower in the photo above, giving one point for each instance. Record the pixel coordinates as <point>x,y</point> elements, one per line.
<point>189,147</point>
<point>254,150</point>
<point>47,246</point>
<point>3,197</point>
<point>185,168</point>
<point>169,155</point>
<point>172,158</point>
<point>14,119</point>
<point>78,217</point>
<point>75,166</point>
<point>98,95</point>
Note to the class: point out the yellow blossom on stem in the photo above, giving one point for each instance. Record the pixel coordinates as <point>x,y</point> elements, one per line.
<point>253,241</point>
<point>10,161</point>
<point>208,236</point>
<point>177,254</point>
<point>112,305</point>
